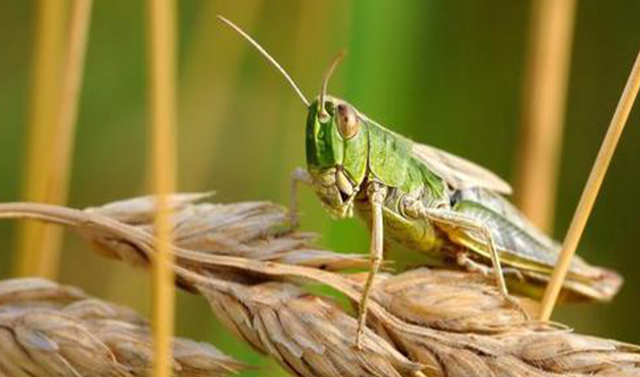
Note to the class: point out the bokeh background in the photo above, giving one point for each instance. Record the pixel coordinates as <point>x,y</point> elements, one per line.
<point>446,73</point>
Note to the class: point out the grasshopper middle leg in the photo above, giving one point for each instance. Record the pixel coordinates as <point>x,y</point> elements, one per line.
<point>470,265</point>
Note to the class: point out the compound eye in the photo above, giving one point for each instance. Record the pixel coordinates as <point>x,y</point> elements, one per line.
<point>348,122</point>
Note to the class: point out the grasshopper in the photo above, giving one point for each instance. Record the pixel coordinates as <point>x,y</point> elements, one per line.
<point>426,200</point>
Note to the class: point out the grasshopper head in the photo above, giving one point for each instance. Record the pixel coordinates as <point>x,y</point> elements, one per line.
<point>337,145</point>
<point>337,149</point>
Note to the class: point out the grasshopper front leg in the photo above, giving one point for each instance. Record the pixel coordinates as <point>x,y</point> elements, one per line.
<point>376,194</point>
<point>298,176</point>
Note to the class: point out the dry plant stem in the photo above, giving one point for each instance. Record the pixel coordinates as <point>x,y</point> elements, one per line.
<point>591,189</point>
<point>47,59</point>
<point>161,21</point>
<point>62,141</point>
<point>549,53</point>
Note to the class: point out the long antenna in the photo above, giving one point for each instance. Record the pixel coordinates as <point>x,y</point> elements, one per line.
<point>325,81</point>
<point>268,57</point>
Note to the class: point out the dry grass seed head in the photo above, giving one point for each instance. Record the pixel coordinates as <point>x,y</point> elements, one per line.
<point>47,329</point>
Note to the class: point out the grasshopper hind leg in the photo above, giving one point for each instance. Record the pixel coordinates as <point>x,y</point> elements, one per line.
<point>451,221</point>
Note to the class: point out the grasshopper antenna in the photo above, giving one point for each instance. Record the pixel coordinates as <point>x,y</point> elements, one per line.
<point>325,81</point>
<point>268,57</point>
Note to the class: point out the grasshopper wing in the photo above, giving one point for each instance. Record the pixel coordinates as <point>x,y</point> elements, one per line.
<point>458,172</point>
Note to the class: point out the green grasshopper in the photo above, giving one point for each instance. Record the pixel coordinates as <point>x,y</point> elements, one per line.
<point>426,200</point>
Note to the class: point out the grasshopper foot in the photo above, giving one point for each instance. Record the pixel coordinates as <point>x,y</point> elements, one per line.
<point>511,301</point>
<point>472,266</point>
<point>514,272</point>
<point>359,335</point>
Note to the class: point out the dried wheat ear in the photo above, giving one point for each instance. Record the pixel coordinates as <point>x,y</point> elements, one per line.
<point>47,329</point>
<point>255,270</point>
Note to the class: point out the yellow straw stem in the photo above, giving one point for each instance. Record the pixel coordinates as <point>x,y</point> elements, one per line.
<point>547,76</point>
<point>591,190</point>
<point>162,44</point>
<point>32,256</point>
<point>63,139</point>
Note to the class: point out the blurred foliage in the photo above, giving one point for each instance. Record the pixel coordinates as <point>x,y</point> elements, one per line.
<point>444,73</point>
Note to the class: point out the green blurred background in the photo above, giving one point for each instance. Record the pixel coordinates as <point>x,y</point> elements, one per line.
<point>447,73</point>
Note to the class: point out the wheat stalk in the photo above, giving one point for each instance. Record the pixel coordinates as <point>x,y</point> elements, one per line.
<point>161,21</point>
<point>423,322</point>
<point>543,109</point>
<point>32,241</point>
<point>591,189</point>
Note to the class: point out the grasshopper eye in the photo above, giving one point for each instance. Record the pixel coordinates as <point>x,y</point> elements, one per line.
<point>348,123</point>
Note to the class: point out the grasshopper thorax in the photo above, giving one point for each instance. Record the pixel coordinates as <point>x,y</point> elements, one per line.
<point>337,150</point>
